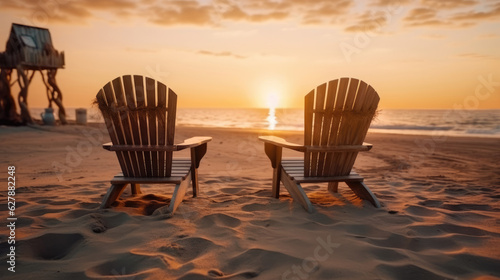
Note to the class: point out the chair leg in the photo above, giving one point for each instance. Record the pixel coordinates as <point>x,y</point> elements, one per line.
<point>194,181</point>
<point>333,187</point>
<point>274,154</point>
<point>113,193</point>
<point>296,192</point>
<point>178,195</point>
<point>197,154</point>
<point>276,182</point>
<point>361,190</point>
<point>136,189</point>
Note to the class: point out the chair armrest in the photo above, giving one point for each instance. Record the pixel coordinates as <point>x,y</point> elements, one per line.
<point>193,142</point>
<point>188,143</point>
<point>340,148</point>
<point>280,142</point>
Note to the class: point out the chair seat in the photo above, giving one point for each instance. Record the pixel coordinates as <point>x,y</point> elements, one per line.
<point>180,170</point>
<point>294,167</point>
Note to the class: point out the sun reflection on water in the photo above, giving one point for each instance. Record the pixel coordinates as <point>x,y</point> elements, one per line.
<point>271,119</point>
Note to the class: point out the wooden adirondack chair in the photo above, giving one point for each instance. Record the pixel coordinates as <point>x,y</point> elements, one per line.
<point>337,117</point>
<point>140,116</point>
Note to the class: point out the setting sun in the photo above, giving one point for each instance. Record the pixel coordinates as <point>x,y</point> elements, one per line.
<point>272,100</point>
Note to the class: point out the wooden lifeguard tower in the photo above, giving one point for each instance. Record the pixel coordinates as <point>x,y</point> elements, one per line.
<point>29,49</point>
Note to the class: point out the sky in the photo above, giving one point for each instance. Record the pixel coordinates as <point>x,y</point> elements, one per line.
<point>417,54</point>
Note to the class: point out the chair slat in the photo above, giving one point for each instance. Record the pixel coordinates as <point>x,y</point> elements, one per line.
<point>349,130</point>
<point>329,118</point>
<point>318,116</point>
<point>123,115</point>
<point>140,94</point>
<point>118,131</point>
<point>336,121</point>
<point>101,99</point>
<point>344,131</point>
<point>356,121</point>
<point>171,112</point>
<point>130,97</point>
<point>161,120</point>
<point>152,125</point>
<point>308,128</point>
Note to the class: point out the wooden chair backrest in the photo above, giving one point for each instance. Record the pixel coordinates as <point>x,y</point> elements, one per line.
<point>336,113</point>
<point>138,110</point>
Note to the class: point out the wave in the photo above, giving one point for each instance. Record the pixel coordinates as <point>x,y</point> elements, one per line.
<point>412,127</point>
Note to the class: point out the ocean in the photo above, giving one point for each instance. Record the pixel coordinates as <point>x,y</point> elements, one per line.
<point>480,123</point>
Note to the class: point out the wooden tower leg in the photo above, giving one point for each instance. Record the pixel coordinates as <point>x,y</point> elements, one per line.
<point>22,99</point>
<point>48,90</point>
<point>8,112</point>
<point>56,94</point>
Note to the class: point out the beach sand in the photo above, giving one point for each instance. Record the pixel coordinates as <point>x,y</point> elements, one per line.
<point>440,214</point>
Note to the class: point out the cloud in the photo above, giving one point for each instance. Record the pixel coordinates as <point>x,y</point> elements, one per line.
<point>181,12</point>
<point>424,17</point>
<point>448,4</point>
<point>368,22</point>
<point>477,56</point>
<point>493,13</point>
<point>347,15</point>
<point>185,12</point>
<point>451,13</point>
<point>66,11</point>
<point>421,14</point>
<point>389,3</point>
<point>326,12</point>
<point>221,54</point>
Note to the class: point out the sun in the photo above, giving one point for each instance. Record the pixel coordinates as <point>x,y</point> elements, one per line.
<point>272,100</point>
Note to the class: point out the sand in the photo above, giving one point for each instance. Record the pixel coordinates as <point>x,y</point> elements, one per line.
<point>440,214</point>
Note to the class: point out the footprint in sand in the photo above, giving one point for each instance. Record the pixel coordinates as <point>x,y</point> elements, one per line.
<point>188,249</point>
<point>220,220</point>
<point>51,246</point>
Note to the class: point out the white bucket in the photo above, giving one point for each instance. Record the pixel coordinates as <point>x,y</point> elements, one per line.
<point>81,116</point>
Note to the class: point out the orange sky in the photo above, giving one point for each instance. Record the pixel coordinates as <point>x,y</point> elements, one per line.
<point>226,53</point>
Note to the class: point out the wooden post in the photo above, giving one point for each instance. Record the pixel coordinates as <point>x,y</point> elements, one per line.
<point>8,112</point>
<point>56,94</point>
<point>22,99</point>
